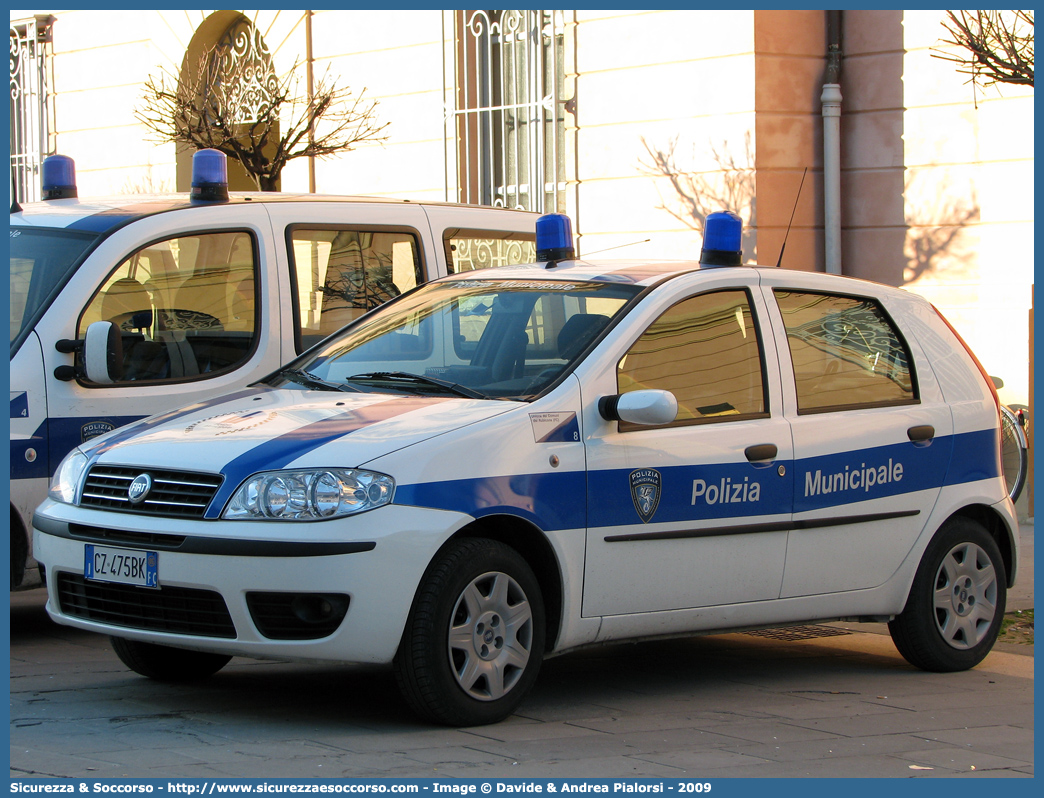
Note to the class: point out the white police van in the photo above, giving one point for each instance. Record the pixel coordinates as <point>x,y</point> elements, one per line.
<point>518,462</point>
<point>198,294</point>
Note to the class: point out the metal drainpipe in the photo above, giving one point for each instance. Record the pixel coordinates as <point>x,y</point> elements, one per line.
<point>831,99</point>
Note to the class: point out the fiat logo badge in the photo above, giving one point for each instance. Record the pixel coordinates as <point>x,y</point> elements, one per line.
<point>139,488</point>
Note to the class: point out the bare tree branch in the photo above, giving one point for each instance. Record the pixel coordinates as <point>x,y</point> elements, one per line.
<point>998,46</point>
<point>696,195</point>
<point>262,124</point>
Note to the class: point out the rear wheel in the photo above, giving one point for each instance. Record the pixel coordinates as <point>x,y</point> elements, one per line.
<point>475,636</point>
<point>166,664</point>
<point>956,604</point>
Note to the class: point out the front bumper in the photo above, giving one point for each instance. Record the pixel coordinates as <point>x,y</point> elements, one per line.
<point>376,560</point>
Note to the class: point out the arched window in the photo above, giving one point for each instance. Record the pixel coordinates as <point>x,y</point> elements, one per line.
<point>228,56</point>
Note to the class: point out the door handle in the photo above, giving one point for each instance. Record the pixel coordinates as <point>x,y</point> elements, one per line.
<point>924,432</point>
<point>761,452</point>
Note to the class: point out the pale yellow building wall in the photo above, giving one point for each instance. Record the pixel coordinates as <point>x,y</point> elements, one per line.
<point>396,56</point>
<point>686,76</point>
<point>969,194</point>
<point>100,61</point>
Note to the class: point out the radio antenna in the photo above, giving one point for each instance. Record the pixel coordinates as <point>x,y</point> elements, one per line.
<point>787,234</point>
<point>619,246</point>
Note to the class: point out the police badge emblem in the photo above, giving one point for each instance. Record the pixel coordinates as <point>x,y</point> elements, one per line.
<point>645,491</point>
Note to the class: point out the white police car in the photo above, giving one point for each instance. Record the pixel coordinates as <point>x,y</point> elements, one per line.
<point>518,462</point>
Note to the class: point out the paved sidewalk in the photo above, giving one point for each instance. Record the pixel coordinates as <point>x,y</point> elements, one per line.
<point>821,700</point>
<point>1020,597</point>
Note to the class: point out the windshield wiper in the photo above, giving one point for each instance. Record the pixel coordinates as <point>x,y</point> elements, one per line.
<point>405,376</point>
<point>311,381</point>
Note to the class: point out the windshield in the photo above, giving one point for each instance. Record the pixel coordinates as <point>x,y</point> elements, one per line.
<point>504,339</point>
<point>40,260</point>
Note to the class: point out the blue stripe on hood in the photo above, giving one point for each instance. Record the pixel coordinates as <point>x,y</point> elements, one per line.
<point>129,431</point>
<point>277,452</point>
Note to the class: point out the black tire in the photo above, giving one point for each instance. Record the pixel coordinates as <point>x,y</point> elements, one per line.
<point>956,603</point>
<point>166,664</point>
<point>487,593</point>
<point>19,549</point>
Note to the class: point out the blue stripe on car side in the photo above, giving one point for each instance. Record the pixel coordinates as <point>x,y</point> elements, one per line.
<point>696,492</point>
<point>277,452</point>
<point>555,501</point>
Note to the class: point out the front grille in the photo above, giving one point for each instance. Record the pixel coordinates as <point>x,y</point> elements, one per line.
<point>297,616</point>
<point>180,494</point>
<point>178,610</point>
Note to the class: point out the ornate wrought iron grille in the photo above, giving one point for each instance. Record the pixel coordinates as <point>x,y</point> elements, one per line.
<point>30,93</point>
<point>245,73</point>
<point>506,131</point>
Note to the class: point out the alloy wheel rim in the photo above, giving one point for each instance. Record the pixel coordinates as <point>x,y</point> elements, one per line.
<point>965,596</point>
<point>490,636</point>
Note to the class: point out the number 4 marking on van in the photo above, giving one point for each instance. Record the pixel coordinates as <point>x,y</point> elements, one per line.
<point>19,404</point>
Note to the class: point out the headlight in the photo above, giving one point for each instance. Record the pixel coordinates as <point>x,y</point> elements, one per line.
<point>309,494</point>
<point>66,480</point>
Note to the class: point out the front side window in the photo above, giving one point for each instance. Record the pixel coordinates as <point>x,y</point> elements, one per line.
<point>705,350</point>
<point>342,274</point>
<point>185,307</point>
<point>846,352</point>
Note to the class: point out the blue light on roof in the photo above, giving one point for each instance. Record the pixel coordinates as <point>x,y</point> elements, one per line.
<point>58,174</point>
<point>722,240</point>
<point>209,176</point>
<point>554,238</point>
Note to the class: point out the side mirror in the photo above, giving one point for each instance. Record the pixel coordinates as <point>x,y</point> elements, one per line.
<point>103,353</point>
<point>652,407</point>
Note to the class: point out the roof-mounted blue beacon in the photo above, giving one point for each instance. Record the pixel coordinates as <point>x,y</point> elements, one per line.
<point>722,240</point>
<point>554,238</point>
<point>209,176</point>
<point>58,173</point>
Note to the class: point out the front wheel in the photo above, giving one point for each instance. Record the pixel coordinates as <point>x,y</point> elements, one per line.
<point>474,639</point>
<point>955,607</point>
<point>166,664</point>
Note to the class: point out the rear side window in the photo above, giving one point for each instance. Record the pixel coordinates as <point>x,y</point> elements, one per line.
<point>705,350</point>
<point>468,250</point>
<point>341,274</point>
<point>846,352</point>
